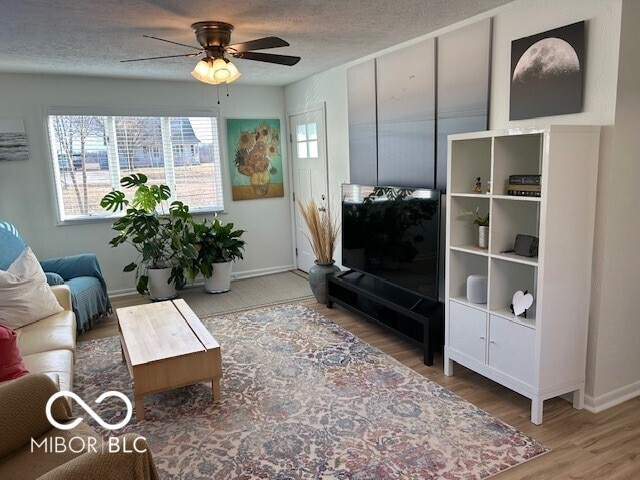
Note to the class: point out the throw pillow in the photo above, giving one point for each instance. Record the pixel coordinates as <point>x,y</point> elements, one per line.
<point>25,296</point>
<point>54,278</point>
<point>11,365</point>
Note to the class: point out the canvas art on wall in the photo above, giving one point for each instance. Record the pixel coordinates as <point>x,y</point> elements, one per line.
<point>13,140</point>
<point>547,73</point>
<point>255,158</point>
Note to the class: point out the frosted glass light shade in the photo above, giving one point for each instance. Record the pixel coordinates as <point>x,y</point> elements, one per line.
<point>215,71</point>
<point>235,74</point>
<point>201,71</point>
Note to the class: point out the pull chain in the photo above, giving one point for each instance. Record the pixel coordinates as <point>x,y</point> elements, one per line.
<point>218,90</point>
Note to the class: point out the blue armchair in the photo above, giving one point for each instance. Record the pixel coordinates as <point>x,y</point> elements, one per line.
<point>80,272</point>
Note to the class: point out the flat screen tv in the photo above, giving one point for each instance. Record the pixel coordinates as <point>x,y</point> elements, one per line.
<point>392,233</point>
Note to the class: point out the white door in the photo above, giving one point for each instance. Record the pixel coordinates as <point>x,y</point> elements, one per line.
<point>309,164</point>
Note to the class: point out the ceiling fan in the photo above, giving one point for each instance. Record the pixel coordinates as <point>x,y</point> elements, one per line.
<point>215,38</point>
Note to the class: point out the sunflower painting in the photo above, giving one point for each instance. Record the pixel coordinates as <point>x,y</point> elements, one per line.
<point>255,158</point>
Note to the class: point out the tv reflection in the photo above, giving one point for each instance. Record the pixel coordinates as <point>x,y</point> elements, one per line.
<point>392,233</point>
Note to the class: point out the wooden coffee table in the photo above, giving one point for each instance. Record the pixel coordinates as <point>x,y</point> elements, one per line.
<point>166,346</point>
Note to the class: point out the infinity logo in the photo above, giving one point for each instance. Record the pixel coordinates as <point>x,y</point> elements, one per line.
<point>89,410</point>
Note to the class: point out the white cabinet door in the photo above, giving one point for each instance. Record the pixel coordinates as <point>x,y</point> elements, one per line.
<point>468,330</point>
<point>511,348</point>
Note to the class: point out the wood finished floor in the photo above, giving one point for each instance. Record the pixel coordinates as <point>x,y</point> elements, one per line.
<point>585,445</point>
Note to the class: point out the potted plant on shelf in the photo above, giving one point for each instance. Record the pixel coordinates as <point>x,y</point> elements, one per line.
<point>218,245</point>
<point>323,233</point>
<point>159,236</point>
<point>482,221</point>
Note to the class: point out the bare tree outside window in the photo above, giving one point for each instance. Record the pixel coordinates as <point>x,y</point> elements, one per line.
<point>72,134</point>
<point>136,137</point>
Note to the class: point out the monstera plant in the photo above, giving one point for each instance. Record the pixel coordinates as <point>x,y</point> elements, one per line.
<point>159,231</point>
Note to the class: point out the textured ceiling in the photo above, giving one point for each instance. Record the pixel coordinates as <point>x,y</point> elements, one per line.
<point>90,37</point>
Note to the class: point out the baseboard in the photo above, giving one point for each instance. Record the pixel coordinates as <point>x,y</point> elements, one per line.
<point>260,272</point>
<point>199,280</point>
<point>611,399</point>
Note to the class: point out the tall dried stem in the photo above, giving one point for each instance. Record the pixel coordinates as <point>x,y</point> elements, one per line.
<point>323,230</point>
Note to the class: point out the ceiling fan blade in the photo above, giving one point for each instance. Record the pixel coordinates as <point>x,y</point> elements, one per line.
<point>169,41</point>
<point>190,55</point>
<point>257,44</point>
<point>268,57</point>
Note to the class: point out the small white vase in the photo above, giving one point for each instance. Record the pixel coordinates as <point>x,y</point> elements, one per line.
<point>220,280</point>
<point>483,236</point>
<point>159,286</point>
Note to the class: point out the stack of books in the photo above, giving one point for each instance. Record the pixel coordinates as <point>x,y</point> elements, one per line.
<point>524,185</point>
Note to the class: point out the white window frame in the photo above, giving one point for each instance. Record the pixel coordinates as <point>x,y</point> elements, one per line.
<point>114,170</point>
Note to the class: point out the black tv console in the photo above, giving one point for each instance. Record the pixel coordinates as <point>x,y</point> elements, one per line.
<point>406,314</point>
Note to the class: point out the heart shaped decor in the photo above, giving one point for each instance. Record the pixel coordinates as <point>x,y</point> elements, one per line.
<point>521,302</point>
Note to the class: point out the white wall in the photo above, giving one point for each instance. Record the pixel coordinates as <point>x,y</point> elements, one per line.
<point>615,368</point>
<point>516,20</point>
<point>26,189</point>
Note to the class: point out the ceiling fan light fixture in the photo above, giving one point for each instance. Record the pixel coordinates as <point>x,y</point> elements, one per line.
<point>201,71</point>
<point>215,71</point>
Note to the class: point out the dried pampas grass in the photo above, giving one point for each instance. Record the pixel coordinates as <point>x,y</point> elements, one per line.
<point>323,230</point>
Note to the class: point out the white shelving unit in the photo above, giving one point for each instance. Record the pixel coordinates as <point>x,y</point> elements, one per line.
<point>544,355</point>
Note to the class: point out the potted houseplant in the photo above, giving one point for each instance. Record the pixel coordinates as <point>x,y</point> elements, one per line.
<point>218,245</point>
<point>482,221</point>
<point>322,235</point>
<point>159,236</point>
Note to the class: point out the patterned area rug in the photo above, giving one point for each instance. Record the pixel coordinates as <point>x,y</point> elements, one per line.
<point>304,399</point>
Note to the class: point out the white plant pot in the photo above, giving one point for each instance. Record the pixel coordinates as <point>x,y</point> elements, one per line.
<point>220,280</point>
<point>483,237</point>
<point>159,288</point>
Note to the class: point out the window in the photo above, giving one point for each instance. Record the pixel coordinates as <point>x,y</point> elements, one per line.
<point>90,153</point>
<point>307,140</point>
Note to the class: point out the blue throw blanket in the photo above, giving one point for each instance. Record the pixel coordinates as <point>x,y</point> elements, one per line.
<point>88,289</point>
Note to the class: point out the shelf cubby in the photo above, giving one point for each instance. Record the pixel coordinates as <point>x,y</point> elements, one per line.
<point>473,160</point>
<point>510,218</point>
<point>506,279</point>
<point>463,264</point>
<point>464,233</point>
<point>515,155</point>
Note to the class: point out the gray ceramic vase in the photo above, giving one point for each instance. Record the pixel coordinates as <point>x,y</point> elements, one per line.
<point>318,279</point>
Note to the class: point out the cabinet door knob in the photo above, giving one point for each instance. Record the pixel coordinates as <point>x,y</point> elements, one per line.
<point>491,341</point>
<point>482,338</point>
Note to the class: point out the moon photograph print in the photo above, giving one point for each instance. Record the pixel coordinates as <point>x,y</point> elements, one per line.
<point>546,73</point>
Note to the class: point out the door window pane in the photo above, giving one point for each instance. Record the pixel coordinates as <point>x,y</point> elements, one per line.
<point>301,134</point>
<point>302,150</point>
<point>312,131</point>
<point>313,149</point>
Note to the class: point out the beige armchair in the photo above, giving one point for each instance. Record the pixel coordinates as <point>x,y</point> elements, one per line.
<point>23,418</point>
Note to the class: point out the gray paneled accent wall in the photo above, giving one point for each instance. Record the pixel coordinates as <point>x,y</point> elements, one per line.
<point>464,64</point>
<point>403,105</point>
<point>406,116</point>
<point>363,140</point>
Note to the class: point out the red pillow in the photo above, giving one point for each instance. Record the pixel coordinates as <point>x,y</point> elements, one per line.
<point>11,365</point>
